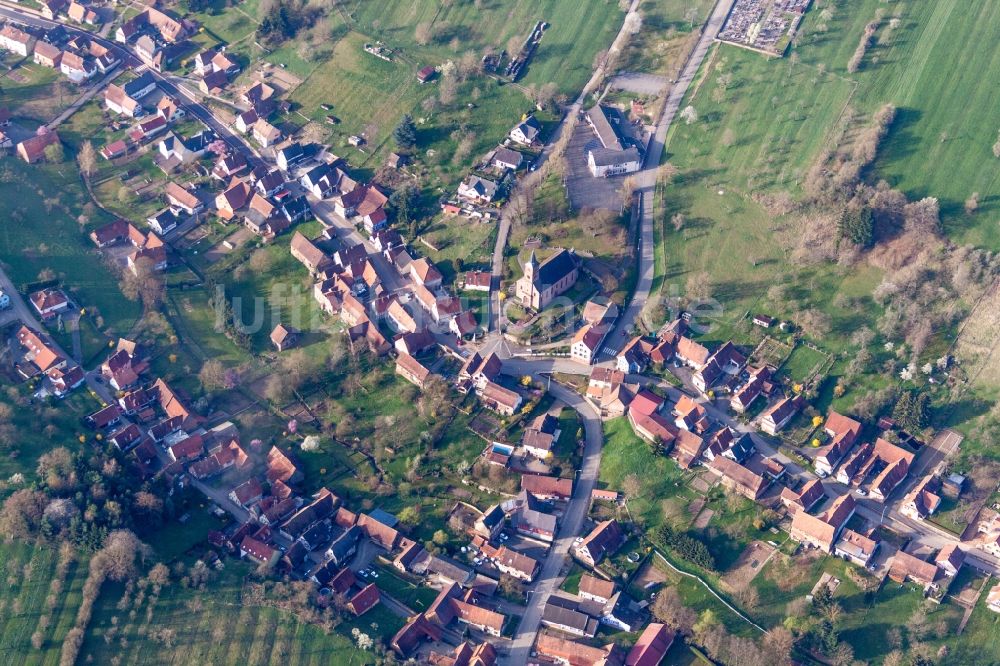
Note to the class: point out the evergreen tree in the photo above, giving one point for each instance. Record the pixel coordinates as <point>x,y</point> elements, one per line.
<point>405,134</point>
<point>857,225</point>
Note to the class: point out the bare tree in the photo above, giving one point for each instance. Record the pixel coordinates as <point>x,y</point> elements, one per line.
<point>87,159</point>
<point>972,203</point>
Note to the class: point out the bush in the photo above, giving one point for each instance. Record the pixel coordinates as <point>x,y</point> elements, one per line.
<point>685,545</point>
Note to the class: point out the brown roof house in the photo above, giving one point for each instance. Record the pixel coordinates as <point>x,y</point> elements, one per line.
<point>412,370</point>
<point>284,337</point>
<point>33,149</point>
<point>605,539</point>
<point>822,531</point>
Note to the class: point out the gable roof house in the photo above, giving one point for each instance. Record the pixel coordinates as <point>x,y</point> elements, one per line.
<point>412,370</point>
<point>547,487</point>
<point>309,254</point>
<point>526,132</point>
<point>180,198</point>
<point>856,547</point>
<point>652,646</point>
<point>119,102</point>
<point>16,40</point>
<point>32,149</point>
<point>646,420</point>
<point>805,498</point>
<point>586,343</point>
<point>923,500</point>
<point>843,432</point>
<point>822,531</point>
<point>596,589</point>
<point>905,567</point>
<point>265,133</point>
<point>605,539</point>
<point>740,478</point>
<point>47,55</point>
<point>691,353</point>
<point>477,190</point>
<point>612,158</point>
<point>634,356</point>
<point>727,360</point>
<point>232,199</point>
<point>778,415</point>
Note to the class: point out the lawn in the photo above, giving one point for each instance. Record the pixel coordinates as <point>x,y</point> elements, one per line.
<point>624,455</point>
<point>803,363</point>
<point>930,66</point>
<point>370,95</point>
<point>35,94</point>
<point>48,218</point>
<point>42,426</point>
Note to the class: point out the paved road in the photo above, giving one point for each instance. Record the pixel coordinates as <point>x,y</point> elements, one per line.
<point>507,214</point>
<point>646,179</point>
<point>551,575</point>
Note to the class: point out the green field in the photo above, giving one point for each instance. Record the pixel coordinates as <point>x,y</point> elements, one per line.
<point>779,113</point>
<point>576,32</point>
<point>214,626</point>
<point>28,571</point>
<point>932,67</point>
<point>624,454</point>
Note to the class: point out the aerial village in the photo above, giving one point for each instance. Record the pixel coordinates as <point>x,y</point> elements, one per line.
<point>722,412</point>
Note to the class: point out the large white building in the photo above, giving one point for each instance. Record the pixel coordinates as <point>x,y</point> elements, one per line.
<point>611,158</point>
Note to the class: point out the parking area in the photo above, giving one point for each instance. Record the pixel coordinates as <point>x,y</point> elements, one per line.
<point>585,191</point>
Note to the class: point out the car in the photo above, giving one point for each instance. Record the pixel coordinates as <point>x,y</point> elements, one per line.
<point>362,573</point>
<point>374,573</point>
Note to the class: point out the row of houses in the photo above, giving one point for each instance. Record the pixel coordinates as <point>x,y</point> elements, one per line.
<point>76,57</point>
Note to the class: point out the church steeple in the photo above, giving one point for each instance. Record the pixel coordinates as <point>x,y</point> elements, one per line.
<point>531,267</point>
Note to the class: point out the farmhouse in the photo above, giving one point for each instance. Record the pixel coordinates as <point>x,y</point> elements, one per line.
<point>596,589</point>
<point>564,651</point>
<point>563,614</point>
<point>906,567</point>
<point>822,531</point>
<point>811,492</point>
<point>547,487</point>
<point>587,343</point>
<point>652,646</point>
<point>605,539</point>
<point>33,149</point>
<point>780,414</point>
<point>47,55</point>
<point>412,370</point>
<point>923,500</point>
<point>856,548</point>
<point>16,41</point>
